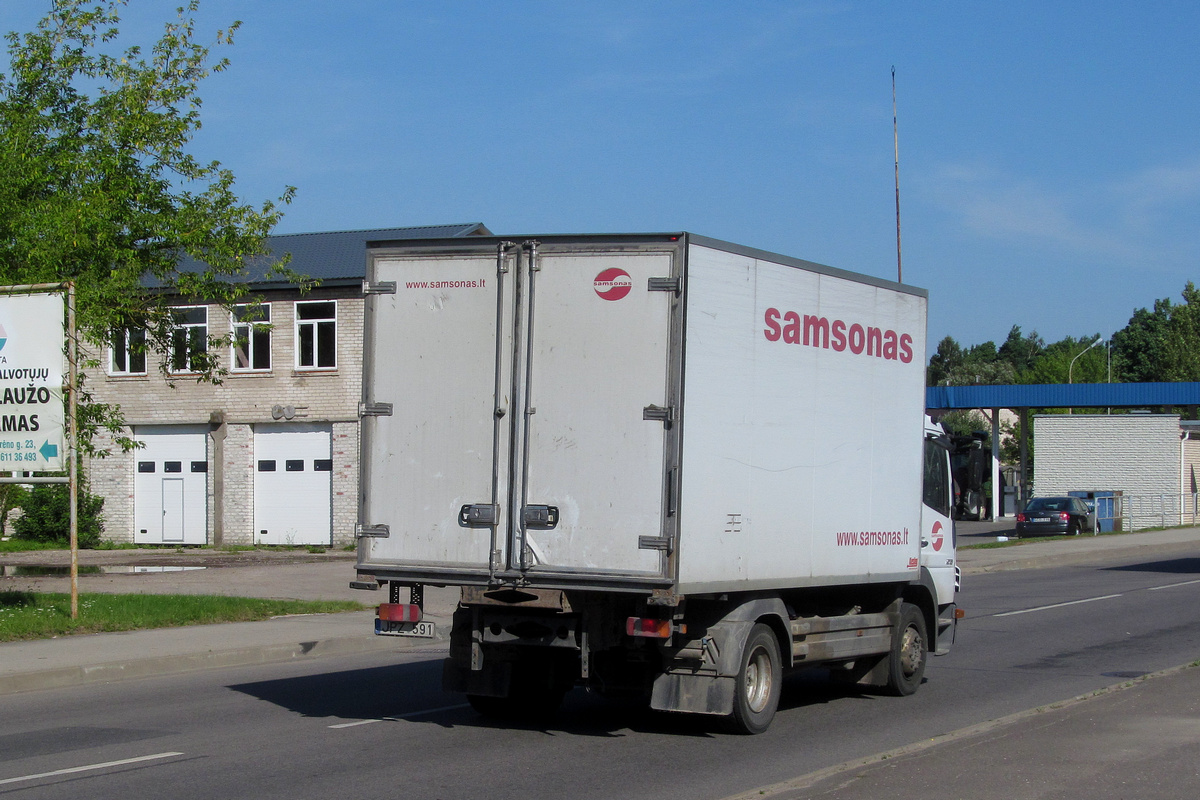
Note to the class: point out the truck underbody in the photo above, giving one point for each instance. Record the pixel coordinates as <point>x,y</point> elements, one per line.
<point>516,651</point>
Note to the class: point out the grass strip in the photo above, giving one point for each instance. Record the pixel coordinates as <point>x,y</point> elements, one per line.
<point>37,615</point>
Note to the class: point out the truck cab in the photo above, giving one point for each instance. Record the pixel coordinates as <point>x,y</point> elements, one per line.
<point>939,540</point>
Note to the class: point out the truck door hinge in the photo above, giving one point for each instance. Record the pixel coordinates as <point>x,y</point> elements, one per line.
<point>663,414</point>
<point>374,409</point>
<point>669,284</point>
<point>380,287</point>
<point>372,531</point>
<point>655,543</point>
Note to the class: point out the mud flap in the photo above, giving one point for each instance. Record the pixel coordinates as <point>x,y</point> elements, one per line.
<point>866,671</point>
<point>712,691</point>
<point>695,694</point>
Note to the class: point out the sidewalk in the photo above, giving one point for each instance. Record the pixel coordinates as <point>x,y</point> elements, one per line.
<point>74,660</point>
<point>1140,739</point>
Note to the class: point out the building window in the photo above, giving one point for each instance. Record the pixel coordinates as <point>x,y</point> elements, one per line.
<point>316,335</point>
<point>127,355</point>
<point>251,338</point>
<point>189,339</point>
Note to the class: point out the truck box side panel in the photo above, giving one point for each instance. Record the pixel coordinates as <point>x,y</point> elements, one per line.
<point>431,353</point>
<point>801,461</point>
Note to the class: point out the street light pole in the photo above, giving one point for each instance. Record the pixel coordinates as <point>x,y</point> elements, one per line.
<point>1071,366</point>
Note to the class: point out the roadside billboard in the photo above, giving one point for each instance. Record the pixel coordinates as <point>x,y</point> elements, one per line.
<point>33,367</point>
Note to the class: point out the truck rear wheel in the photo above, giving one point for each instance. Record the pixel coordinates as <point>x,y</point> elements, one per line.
<point>759,682</point>
<point>906,661</point>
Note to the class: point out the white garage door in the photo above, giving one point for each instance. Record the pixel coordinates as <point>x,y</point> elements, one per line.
<point>293,471</point>
<point>170,486</point>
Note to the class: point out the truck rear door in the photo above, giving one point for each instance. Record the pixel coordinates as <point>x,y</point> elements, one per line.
<point>594,477</point>
<point>438,333</point>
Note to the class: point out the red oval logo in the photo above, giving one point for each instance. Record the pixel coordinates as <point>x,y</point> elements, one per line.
<point>938,537</point>
<point>613,284</point>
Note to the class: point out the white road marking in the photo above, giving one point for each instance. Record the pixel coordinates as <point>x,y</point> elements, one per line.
<point>400,717</point>
<point>1171,585</point>
<point>1093,599</point>
<point>1056,605</point>
<point>88,768</point>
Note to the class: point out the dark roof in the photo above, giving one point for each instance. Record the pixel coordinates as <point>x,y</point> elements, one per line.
<point>337,256</point>
<point>1064,395</point>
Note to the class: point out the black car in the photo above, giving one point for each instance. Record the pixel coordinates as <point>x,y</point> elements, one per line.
<point>1052,516</point>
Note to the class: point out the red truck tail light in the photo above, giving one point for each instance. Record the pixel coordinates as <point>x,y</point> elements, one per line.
<point>648,627</point>
<point>399,612</point>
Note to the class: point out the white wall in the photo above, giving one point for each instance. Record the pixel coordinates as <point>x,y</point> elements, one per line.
<point>1137,454</point>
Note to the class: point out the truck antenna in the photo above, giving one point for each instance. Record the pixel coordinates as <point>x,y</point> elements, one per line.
<point>896,143</point>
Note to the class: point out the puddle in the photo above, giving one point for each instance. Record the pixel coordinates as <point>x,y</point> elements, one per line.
<point>14,571</point>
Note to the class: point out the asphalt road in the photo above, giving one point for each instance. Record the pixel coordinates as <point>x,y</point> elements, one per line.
<point>378,724</point>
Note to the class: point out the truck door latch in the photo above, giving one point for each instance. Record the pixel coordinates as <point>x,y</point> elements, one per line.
<point>479,515</point>
<point>543,517</point>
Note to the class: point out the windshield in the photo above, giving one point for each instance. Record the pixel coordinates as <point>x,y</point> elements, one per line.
<point>1048,504</point>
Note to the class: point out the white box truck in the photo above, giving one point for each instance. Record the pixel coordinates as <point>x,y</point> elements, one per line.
<point>658,465</point>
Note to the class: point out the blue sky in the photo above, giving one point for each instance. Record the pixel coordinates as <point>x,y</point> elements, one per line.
<point>1049,151</point>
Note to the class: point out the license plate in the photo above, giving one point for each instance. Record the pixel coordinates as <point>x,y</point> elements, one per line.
<point>421,630</point>
<point>1041,519</point>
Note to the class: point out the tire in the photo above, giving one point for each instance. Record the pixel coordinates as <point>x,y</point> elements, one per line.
<point>759,682</point>
<point>1072,528</point>
<point>906,661</point>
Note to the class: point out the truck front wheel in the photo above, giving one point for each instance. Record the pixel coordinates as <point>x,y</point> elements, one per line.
<point>906,661</point>
<point>759,682</point>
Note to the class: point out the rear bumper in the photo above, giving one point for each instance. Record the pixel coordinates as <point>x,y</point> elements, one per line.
<point>1042,529</point>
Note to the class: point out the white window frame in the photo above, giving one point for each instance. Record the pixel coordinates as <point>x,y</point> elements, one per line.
<point>192,331</point>
<point>119,349</point>
<point>314,331</point>
<point>251,336</point>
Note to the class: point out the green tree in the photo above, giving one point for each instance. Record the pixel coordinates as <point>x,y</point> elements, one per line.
<point>1163,344</point>
<point>1053,363</point>
<point>951,365</point>
<point>46,515</point>
<point>97,185</point>
<point>1021,351</point>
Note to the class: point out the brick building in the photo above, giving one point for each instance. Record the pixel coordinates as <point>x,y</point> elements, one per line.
<point>270,455</point>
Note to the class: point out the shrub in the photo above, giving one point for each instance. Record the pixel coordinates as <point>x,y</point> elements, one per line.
<point>47,515</point>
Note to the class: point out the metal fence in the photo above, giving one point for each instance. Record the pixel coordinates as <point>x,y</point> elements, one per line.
<point>1138,512</point>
